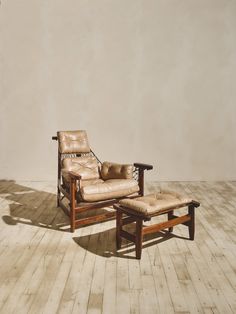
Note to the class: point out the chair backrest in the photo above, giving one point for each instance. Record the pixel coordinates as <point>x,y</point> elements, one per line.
<point>73,142</point>
<point>86,166</point>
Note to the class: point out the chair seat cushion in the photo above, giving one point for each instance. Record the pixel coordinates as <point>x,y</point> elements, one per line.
<point>154,203</point>
<point>90,182</point>
<point>109,189</point>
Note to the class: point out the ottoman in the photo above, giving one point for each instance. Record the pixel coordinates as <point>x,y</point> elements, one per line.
<point>143,208</point>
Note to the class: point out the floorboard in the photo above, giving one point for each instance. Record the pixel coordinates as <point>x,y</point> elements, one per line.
<point>47,269</point>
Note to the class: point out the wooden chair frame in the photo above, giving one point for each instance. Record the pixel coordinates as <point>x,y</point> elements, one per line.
<point>75,207</point>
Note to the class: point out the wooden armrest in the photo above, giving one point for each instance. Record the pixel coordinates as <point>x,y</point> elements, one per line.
<point>54,138</point>
<point>195,203</point>
<point>74,175</point>
<point>143,166</point>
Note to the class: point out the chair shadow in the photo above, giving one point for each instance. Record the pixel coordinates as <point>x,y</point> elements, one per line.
<point>32,207</point>
<point>104,243</point>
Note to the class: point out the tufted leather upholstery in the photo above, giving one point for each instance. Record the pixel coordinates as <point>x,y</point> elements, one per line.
<point>73,142</point>
<point>152,203</point>
<point>93,187</point>
<point>111,170</point>
<point>113,188</point>
<point>85,166</point>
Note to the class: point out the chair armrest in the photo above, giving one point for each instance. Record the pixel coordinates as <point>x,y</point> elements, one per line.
<point>54,138</point>
<point>70,174</point>
<point>74,175</point>
<point>195,203</point>
<point>143,166</point>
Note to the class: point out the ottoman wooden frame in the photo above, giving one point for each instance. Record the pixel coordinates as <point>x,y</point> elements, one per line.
<point>131,216</point>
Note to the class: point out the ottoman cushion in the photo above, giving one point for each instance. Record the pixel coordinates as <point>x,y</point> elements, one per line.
<point>153,203</point>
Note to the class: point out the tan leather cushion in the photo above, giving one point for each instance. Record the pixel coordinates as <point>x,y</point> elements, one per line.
<point>153,203</point>
<point>111,170</point>
<point>90,182</point>
<point>73,142</point>
<point>109,189</point>
<point>85,166</point>
<point>66,181</point>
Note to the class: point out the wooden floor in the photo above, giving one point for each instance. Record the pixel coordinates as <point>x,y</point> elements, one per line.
<point>46,269</point>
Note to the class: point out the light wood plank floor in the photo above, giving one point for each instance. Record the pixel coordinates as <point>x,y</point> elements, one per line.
<point>46,269</point>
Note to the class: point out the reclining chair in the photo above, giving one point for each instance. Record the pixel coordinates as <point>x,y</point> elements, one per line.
<point>90,184</point>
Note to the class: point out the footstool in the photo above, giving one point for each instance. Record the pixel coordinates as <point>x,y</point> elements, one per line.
<point>143,208</point>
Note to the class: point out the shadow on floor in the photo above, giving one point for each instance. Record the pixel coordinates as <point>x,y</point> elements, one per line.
<point>104,243</point>
<point>30,206</point>
<point>34,207</point>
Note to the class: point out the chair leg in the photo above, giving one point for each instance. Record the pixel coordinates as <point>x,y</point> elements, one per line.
<point>191,226</point>
<point>72,205</point>
<point>118,228</point>
<point>58,178</point>
<point>139,238</point>
<point>170,216</point>
<point>58,197</point>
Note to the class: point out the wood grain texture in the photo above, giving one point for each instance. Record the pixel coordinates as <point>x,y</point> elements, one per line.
<point>46,269</point>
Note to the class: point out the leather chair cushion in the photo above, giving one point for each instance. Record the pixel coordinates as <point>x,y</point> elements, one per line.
<point>109,189</point>
<point>110,170</point>
<point>90,182</point>
<point>71,142</point>
<point>66,181</point>
<point>86,166</point>
<point>153,203</point>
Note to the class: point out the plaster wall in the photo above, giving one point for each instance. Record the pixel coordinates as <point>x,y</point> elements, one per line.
<point>150,80</point>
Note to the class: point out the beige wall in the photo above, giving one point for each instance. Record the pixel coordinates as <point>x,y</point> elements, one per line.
<point>151,81</point>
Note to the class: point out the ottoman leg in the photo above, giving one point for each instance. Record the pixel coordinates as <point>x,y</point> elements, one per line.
<point>191,226</point>
<point>118,228</point>
<point>170,216</point>
<point>139,238</point>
